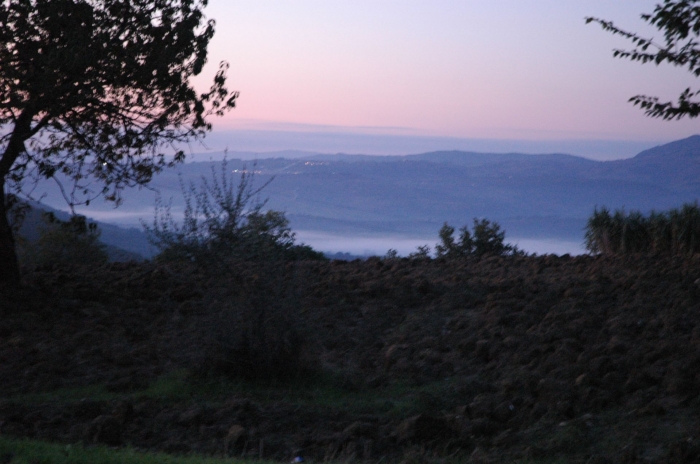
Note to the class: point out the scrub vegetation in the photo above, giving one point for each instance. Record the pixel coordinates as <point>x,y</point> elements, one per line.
<point>23,451</point>
<point>676,231</point>
<point>233,343</point>
<point>64,242</point>
<point>485,239</point>
<point>466,357</point>
<point>237,343</point>
<point>225,219</point>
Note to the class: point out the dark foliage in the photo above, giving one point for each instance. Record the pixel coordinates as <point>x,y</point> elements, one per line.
<point>567,359</point>
<point>64,243</point>
<point>224,223</point>
<point>99,91</point>
<point>258,335</point>
<point>679,21</point>
<point>676,231</point>
<point>486,238</point>
<point>244,250</point>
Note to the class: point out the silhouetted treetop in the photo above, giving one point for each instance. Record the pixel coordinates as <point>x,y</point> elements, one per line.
<point>100,90</point>
<point>679,20</point>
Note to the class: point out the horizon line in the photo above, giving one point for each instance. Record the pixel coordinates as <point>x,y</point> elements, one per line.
<point>256,141</point>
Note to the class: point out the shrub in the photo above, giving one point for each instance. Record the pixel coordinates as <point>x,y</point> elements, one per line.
<point>391,254</point>
<point>246,251</point>
<point>17,211</point>
<point>601,236</point>
<point>486,238</point>
<point>422,252</point>
<point>449,247</point>
<point>223,221</point>
<point>676,231</point>
<point>62,243</point>
<point>258,335</point>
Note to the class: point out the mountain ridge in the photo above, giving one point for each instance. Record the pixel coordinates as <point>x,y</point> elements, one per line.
<point>531,196</point>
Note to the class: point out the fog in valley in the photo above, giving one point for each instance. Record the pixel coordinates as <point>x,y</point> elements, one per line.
<point>378,246</point>
<point>365,205</point>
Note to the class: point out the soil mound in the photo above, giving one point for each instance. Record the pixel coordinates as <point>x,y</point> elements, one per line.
<point>590,359</point>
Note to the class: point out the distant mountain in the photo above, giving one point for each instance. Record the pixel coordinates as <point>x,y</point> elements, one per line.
<point>676,165</point>
<point>460,158</point>
<point>532,196</point>
<point>685,149</point>
<point>251,155</point>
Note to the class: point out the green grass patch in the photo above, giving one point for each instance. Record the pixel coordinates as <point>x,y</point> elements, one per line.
<point>325,391</point>
<point>22,451</point>
<point>322,391</point>
<point>66,395</point>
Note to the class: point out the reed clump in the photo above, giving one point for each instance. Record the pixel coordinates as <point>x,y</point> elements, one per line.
<point>676,231</point>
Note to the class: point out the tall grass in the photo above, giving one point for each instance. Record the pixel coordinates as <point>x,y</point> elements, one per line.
<point>676,231</point>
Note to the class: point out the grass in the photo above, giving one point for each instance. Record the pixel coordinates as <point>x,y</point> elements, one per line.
<point>324,391</point>
<point>65,395</point>
<point>321,391</point>
<point>23,451</point>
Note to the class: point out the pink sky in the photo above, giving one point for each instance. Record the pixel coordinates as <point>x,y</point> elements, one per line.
<point>496,69</point>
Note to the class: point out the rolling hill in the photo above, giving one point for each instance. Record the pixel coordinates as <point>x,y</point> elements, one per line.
<point>533,196</point>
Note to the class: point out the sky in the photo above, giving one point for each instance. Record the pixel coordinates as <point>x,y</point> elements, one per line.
<point>407,76</point>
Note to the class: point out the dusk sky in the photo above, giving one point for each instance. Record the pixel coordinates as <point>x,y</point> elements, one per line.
<point>449,70</point>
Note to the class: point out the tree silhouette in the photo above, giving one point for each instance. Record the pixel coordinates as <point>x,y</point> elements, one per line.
<point>679,20</point>
<point>98,90</point>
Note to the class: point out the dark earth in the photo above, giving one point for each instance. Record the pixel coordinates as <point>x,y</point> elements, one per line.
<point>586,359</point>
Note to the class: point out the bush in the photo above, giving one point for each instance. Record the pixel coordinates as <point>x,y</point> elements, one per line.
<point>422,253</point>
<point>486,238</point>
<point>391,254</point>
<point>676,231</point>
<point>245,251</point>
<point>223,221</point>
<point>449,247</point>
<point>17,211</point>
<point>63,243</point>
<point>258,335</point>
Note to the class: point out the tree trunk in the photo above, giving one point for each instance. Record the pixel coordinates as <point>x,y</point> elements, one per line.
<point>22,130</point>
<point>9,266</point>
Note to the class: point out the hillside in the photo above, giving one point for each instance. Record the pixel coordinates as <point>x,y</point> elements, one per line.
<point>521,359</point>
<point>122,244</point>
<point>538,196</point>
